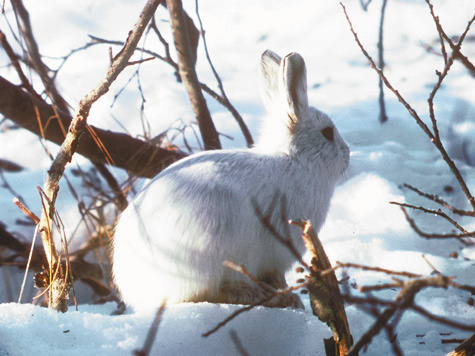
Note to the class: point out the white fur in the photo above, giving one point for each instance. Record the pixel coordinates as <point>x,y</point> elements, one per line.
<point>171,241</point>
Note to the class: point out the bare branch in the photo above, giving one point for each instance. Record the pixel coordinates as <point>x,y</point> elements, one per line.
<point>440,201</point>
<point>237,342</point>
<point>266,222</point>
<point>382,107</point>
<point>32,113</point>
<point>385,80</point>
<point>168,57</point>
<point>270,293</point>
<point>431,211</point>
<point>187,71</point>
<point>152,332</point>
<point>23,19</point>
<point>441,320</point>
<point>377,269</point>
<point>121,200</point>
<point>404,300</point>
<point>433,136</point>
<point>414,226</point>
<point>224,101</point>
<point>26,211</point>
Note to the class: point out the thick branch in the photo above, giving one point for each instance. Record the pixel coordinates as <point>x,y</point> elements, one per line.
<point>325,297</point>
<point>136,156</point>
<point>466,348</point>
<point>187,71</point>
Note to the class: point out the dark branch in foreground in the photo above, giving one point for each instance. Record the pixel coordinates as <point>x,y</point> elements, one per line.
<point>138,157</point>
<point>325,297</point>
<point>186,66</point>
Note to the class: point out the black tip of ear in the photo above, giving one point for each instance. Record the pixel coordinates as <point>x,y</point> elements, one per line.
<point>297,62</point>
<point>268,54</point>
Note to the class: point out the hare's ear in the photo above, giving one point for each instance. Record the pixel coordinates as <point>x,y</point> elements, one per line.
<point>269,74</point>
<point>294,85</point>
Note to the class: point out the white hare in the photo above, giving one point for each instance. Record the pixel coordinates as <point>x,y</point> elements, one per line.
<point>170,243</point>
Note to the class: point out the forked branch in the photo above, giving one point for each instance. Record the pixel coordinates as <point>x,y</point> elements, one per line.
<point>433,135</point>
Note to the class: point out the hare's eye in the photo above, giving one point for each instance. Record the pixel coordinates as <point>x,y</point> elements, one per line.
<point>328,133</point>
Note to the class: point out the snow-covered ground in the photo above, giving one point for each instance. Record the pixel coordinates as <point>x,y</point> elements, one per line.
<point>362,226</point>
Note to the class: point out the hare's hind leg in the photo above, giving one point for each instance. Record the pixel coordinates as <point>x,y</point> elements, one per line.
<point>251,293</point>
<point>276,280</point>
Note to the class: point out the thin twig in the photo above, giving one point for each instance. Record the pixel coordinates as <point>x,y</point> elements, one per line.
<point>440,201</point>
<point>237,342</point>
<point>30,255</point>
<point>441,76</point>
<point>236,313</point>
<point>15,62</point>
<point>98,40</point>
<point>167,59</point>
<point>364,4</point>
<point>227,103</point>
<point>385,80</point>
<point>377,269</point>
<point>414,226</point>
<point>121,200</point>
<point>389,328</point>
<point>404,300</point>
<point>440,31</point>
<point>152,332</point>
<point>433,136</point>
<point>382,106</point>
<point>186,65</point>
<point>441,320</point>
<point>26,211</point>
<point>431,211</point>
<point>270,291</point>
<point>378,287</point>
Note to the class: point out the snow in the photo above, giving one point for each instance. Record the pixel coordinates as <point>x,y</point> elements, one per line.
<point>362,227</point>
<point>180,331</point>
